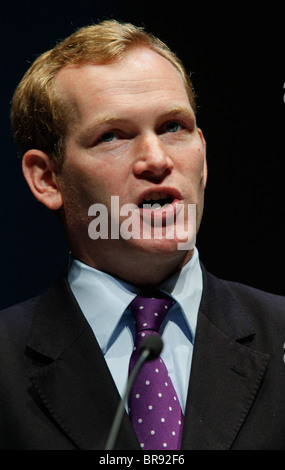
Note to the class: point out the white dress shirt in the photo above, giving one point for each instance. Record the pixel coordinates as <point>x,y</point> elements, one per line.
<point>104,301</point>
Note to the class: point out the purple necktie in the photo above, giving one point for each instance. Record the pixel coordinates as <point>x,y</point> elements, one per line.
<point>154,407</point>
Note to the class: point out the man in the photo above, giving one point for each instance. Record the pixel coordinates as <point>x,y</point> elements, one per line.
<point>110,112</point>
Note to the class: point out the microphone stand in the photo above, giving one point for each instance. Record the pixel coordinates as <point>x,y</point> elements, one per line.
<point>121,408</point>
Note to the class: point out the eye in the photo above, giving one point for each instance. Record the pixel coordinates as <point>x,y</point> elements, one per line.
<point>108,137</point>
<point>173,126</point>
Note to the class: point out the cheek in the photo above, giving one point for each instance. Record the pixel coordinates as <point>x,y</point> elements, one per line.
<point>200,162</point>
<point>111,180</point>
<point>76,185</point>
<point>192,163</point>
<point>94,182</point>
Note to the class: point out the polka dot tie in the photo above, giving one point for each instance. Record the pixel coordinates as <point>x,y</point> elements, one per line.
<point>154,408</point>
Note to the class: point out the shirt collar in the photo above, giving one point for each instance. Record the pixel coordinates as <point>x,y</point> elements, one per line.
<point>186,288</point>
<point>103,298</point>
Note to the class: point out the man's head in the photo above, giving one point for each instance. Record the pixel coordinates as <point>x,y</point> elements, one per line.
<point>123,124</point>
<point>40,117</point>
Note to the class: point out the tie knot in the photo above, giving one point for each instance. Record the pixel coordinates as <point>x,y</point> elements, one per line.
<point>149,310</point>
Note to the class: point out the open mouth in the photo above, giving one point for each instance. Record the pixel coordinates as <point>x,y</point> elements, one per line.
<point>156,200</point>
<point>155,203</point>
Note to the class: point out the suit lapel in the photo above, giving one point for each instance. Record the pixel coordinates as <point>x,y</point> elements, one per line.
<point>72,379</point>
<point>225,374</point>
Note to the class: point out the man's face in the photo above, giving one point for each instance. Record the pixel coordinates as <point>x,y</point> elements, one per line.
<point>133,135</point>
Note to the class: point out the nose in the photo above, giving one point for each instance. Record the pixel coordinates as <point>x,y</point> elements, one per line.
<point>152,160</point>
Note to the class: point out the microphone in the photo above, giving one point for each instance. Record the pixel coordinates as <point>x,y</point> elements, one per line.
<point>149,349</point>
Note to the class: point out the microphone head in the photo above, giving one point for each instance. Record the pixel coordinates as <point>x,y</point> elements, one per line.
<point>152,343</point>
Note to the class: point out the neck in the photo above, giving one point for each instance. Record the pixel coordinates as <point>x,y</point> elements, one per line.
<point>144,270</point>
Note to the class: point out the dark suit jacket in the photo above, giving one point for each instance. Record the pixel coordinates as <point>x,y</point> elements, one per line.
<point>56,391</point>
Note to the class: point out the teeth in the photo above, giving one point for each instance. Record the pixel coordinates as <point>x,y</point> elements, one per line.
<point>155,196</point>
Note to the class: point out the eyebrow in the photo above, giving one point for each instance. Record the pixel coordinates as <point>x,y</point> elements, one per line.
<point>103,119</point>
<point>182,110</point>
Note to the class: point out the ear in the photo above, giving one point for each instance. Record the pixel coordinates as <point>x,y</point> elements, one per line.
<point>205,172</point>
<point>39,172</point>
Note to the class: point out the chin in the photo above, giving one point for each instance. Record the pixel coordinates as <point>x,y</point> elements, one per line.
<point>153,247</point>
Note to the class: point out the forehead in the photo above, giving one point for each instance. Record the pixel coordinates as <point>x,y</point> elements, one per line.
<point>141,78</point>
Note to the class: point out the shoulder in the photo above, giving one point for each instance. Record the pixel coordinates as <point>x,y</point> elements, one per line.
<point>232,304</point>
<point>16,321</point>
<point>243,292</point>
<point>18,314</point>
<point>239,294</point>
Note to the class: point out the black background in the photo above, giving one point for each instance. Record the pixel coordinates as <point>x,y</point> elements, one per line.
<point>236,55</point>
